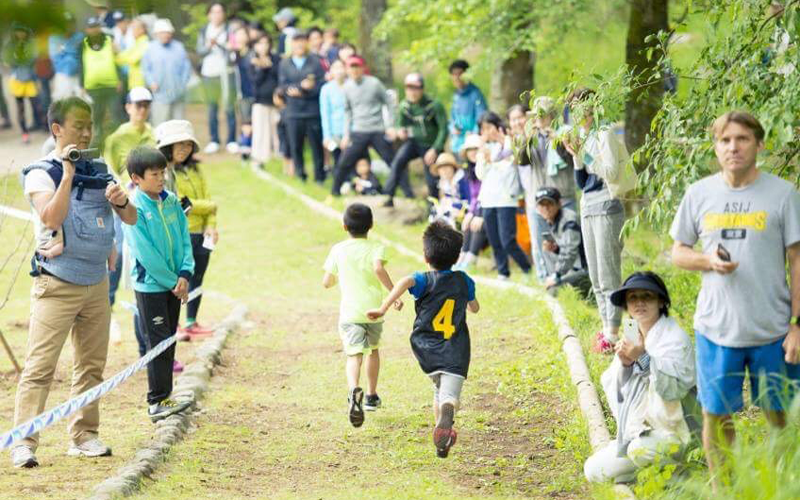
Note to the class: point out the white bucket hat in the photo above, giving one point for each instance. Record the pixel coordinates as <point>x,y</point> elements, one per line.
<point>472,141</point>
<point>175,131</point>
<point>163,26</point>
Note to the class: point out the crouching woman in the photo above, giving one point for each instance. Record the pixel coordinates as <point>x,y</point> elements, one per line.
<point>650,385</point>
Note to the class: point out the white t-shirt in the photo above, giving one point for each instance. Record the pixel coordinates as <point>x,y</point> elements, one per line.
<point>39,181</point>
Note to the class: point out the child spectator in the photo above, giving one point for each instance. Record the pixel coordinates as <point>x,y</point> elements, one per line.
<point>20,55</point>
<point>365,183</point>
<point>472,226</point>
<point>358,263</point>
<point>263,65</point>
<point>500,190</point>
<point>440,337</point>
<point>452,187</point>
<point>179,146</point>
<point>162,252</point>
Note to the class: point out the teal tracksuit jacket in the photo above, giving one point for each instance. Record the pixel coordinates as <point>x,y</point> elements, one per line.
<point>159,243</point>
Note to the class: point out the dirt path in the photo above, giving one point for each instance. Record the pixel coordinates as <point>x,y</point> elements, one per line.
<point>276,425</point>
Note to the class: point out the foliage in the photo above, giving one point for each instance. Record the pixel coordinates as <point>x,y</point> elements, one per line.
<point>748,64</point>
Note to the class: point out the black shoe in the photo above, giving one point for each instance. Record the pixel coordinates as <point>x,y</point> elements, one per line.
<point>372,402</point>
<point>444,436</point>
<point>166,408</point>
<point>356,411</point>
<point>388,203</point>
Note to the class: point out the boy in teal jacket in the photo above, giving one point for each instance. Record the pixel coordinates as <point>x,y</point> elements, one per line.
<point>162,250</point>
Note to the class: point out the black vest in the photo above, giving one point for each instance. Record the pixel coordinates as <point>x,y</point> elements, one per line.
<point>440,339</point>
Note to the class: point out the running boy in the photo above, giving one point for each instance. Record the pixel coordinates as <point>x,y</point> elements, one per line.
<point>440,338</point>
<point>162,250</point>
<point>359,265</point>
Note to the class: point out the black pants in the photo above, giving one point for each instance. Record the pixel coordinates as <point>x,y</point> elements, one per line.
<point>409,150</point>
<point>474,241</point>
<point>159,313</point>
<point>22,116</point>
<point>201,257</point>
<point>359,148</point>
<point>297,129</point>
<point>501,229</point>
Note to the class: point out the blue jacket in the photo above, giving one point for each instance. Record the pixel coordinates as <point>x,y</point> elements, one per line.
<point>168,67</point>
<point>468,106</point>
<point>160,243</point>
<point>65,53</point>
<point>331,108</point>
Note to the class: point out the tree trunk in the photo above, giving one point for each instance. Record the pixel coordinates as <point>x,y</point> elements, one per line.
<point>647,17</point>
<point>377,53</point>
<point>512,78</point>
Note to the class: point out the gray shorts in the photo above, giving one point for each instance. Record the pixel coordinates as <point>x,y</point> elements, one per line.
<point>446,388</point>
<point>360,338</point>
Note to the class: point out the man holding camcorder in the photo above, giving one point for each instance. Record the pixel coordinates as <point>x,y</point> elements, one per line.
<point>73,198</point>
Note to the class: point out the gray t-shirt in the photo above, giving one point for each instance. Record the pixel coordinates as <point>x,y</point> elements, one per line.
<point>756,223</point>
<point>364,102</point>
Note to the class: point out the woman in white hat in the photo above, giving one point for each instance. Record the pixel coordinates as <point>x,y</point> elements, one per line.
<point>177,142</point>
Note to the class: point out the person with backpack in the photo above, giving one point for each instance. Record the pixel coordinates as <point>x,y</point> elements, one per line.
<point>601,171</point>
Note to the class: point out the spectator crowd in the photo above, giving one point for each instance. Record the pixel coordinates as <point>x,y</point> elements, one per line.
<point>546,194</point>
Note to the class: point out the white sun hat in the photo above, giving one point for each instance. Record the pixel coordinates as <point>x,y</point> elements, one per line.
<point>175,131</point>
<point>163,26</point>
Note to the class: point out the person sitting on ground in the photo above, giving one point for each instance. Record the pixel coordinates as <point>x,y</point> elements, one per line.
<point>472,226</point>
<point>178,145</point>
<point>162,251</point>
<point>562,240</point>
<point>358,265</point>
<point>649,385</point>
<point>440,337</point>
<point>422,126</point>
<point>453,190</point>
<point>499,195</point>
<point>364,182</point>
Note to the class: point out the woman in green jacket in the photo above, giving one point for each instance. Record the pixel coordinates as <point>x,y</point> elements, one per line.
<point>177,142</point>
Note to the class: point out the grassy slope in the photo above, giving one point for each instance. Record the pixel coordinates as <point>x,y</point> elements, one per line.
<point>276,426</point>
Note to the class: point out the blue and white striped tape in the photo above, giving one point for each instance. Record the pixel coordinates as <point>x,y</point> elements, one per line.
<point>48,418</point>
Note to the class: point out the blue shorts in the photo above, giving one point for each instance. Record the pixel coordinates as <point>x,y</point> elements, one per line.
<point>721,370</point>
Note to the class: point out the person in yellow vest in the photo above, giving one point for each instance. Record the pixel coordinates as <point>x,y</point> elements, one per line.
<point>100,77</point>
<point>132,55</point>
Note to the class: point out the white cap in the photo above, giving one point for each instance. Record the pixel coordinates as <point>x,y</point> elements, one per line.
<point>472,141</point>
<point>163,26</point>
<point>175,131</point>
<point>139,94</point>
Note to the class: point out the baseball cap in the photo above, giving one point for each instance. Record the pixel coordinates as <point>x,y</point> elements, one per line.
<point>414,80</point>
<point>118,16</point>
<point>139,94</point>
<point>355,61</point>
<point>548,193</point>
<point>93,22</point>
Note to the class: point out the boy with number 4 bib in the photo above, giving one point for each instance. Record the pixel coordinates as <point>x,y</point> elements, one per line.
<point>440,338</point>
<point>358,263</point>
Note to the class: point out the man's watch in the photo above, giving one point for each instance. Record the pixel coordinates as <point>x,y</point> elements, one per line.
<point>121,207</point>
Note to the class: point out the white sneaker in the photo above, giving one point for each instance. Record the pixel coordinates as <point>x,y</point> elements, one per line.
<point>211,148</point>
<point>502,277</point>
<point>23,458</point>
<point>91,448</point>
<point>232,148</point>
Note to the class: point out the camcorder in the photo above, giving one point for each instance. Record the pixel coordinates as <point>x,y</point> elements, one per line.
<point>83,154</point>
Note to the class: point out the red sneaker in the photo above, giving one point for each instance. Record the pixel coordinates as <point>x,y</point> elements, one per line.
<point>177,366</point>
<point>602,345</point>
<point>197,329</point>
<point>182,336</point>
<point>26,138</point>
<point>444,436</point>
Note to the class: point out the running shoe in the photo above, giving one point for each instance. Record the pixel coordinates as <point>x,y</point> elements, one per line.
<point>602,345</point>
<point>355,409</point>
<point>444,436</point>
<point>166,408</point>
<point>23,458</point>
<point>90,448</point>
<point>372,402</point>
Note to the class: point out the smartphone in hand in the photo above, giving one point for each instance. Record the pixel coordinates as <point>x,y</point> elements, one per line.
<point>723,253</point>
<point>630,329</point>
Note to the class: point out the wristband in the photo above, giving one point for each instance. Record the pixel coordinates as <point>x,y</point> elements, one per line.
<point>795,320</point>
<point>121,207</point>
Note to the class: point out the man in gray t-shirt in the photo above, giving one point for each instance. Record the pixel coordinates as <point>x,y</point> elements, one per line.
<point>748,223</point>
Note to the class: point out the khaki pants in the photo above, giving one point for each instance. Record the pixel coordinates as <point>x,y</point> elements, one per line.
<point>57,308</point>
